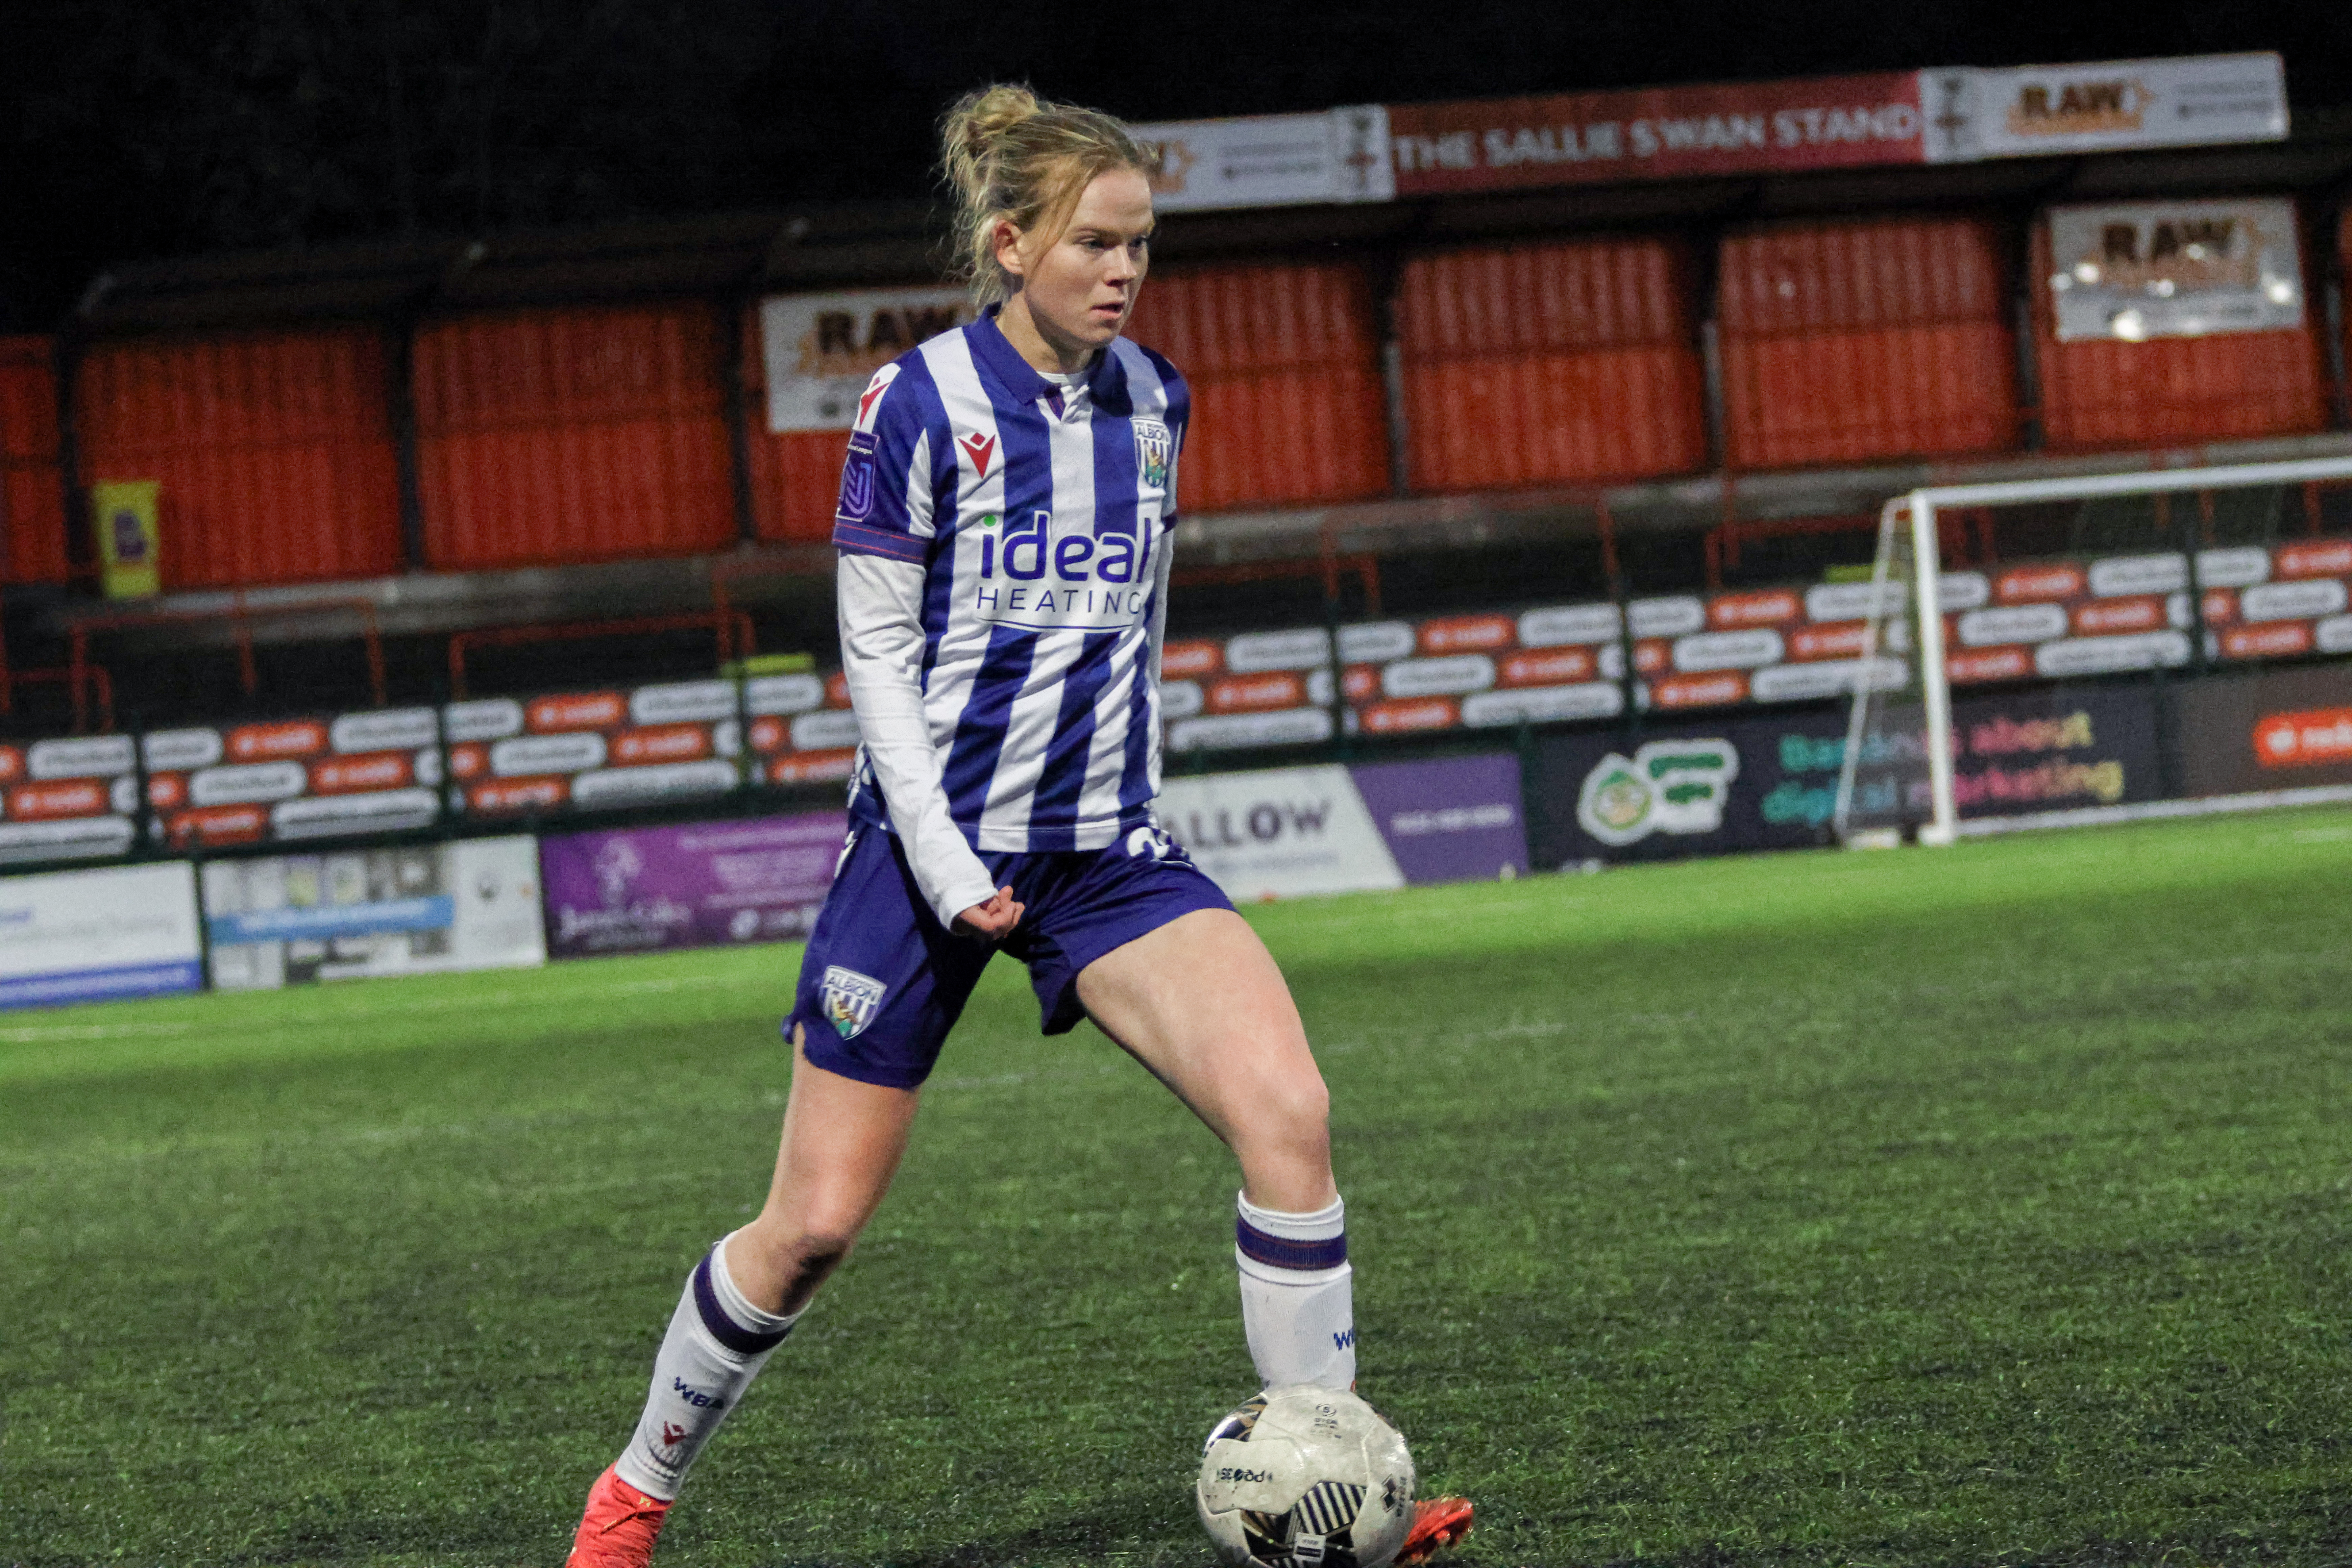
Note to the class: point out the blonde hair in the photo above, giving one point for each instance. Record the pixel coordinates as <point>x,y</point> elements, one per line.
<point>1012,157</point>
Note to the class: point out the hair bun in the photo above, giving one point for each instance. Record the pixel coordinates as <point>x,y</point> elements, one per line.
<point>981,119</point>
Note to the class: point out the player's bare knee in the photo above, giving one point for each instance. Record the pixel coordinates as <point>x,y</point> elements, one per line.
<point>1297,1109</point>
<point>1285,1123</point>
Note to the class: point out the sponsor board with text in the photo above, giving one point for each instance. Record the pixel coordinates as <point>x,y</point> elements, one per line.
<point>702,884</point>
<point>2283,728</point>
<point>1295,832</point>
<point>2175,268</point>
<point>590,750</point>
<point>1765,783</point>
<point>1656,133</point>
<point>819,351</point>
<point>421,909</point>
<point>284,779</point>
<point>97,935</point>
<point>69,799</point>
<point>1269,160</point>
<point>2039,111</point>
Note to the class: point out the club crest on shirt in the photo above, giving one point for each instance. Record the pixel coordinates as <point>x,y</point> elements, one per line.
<point>1154,445</point>
<point>850,999</point>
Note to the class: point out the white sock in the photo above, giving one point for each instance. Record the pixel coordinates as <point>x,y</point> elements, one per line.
<point>717,1343</point>
<point>1298,1296</point>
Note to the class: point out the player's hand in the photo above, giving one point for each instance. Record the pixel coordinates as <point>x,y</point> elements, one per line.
<point>994,921</point>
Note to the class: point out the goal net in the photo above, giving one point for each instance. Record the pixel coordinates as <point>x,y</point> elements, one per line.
<point>1996,591</point>
<point>1885,784</point>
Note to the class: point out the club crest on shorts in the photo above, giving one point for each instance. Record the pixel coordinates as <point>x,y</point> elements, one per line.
<point>850,999</point>
<point>1154,445</point>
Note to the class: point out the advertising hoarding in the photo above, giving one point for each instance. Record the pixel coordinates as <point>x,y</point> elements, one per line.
<point>1759,783</point>
<point>820,350</point>
<point>2033,111</point>
<point>2134,271</point>
<point>374,771</point>
<point>591,751</point>
<point>290,920</point>
<point>1958,114</point>
<point>2283,729</point>
<point>90,936</point>
<point>69,799</point>
<point>1270,160</point>
<point>2055,748</point>
<point>697,885</point>
<point>1657,133</point>
<point>1295,832</point>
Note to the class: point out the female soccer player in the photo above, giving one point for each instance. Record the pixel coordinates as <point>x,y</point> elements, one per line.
<point>1003,534</point>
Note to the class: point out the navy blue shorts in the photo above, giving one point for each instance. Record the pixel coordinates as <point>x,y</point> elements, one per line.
<point>884,982</point>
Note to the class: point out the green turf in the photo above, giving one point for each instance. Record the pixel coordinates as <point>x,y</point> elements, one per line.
<point>1986,1206</point>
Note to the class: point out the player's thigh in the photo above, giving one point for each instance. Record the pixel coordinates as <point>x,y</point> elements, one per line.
<point>1201,1003</point>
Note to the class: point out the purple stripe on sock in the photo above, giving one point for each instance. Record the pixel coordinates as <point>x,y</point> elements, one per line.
<point>1282,1253</point>
<point>724,1328</point>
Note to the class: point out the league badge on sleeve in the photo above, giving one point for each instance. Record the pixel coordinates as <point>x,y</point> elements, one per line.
<point>850,999</point>
<point>857,481</point>
<point>1154,445</point>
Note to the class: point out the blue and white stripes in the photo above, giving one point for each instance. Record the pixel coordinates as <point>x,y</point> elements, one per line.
<point>1041,513</point>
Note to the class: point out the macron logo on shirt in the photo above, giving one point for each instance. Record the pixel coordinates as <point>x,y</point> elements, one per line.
<point>980,450</point>
<point>873,395</point>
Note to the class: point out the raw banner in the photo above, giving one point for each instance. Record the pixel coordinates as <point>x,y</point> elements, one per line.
<point>2284,729</point>
<point>1771,782</point>
<point>1298,832</point>
<point>1270,160</point>
<point>291,920</point>
<point>2135,271</point>
<point>700,885</point>
<point>90,936</point>
<point>820,350</point>
<point>1657,133</point>
<point>2033,111</point>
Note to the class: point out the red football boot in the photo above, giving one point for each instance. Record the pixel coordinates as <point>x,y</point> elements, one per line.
<point>1437,1523</point>
<point>618,1528</point>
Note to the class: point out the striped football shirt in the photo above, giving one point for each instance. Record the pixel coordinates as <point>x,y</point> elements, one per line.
<point>1040,511</point>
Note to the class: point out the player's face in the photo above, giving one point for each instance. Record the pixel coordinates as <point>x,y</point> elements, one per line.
<point>1079,288</point>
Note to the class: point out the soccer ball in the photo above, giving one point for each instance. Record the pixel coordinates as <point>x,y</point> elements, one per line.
<point>1306,1478</point>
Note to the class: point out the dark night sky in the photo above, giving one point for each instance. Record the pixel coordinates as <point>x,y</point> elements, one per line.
<point>142,129</point>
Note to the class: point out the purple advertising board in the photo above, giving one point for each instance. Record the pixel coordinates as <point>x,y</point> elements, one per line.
<point>1456,819</point>
<point>703,884</point>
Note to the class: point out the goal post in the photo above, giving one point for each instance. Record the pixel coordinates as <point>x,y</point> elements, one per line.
<point>1898,776</point>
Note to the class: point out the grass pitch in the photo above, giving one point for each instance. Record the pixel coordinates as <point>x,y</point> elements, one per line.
<point>1986,1206</point>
